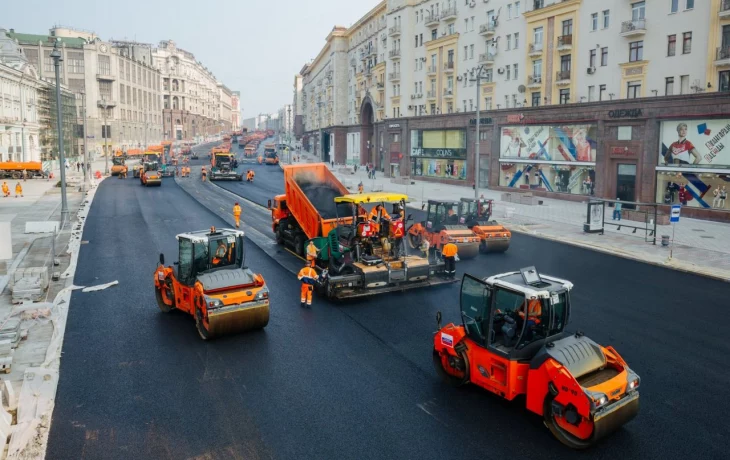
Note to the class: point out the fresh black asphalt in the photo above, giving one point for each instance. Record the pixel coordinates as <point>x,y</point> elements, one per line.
<point>355,380</point>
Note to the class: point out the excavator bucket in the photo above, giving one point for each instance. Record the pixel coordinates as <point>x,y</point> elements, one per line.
<point>240,318</point>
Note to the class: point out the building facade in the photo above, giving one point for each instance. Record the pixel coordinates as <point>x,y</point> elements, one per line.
<point>249,124</point>
<point>236,110</point>
<point>191,99</point>
<point>225,107</point>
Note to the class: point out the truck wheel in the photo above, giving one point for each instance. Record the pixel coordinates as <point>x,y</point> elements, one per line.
<point>452,376</point>
<point>299,245</point>
<point>561,434</point>
<point>200,326</point>
<point>279,235</point>
<point>164,308</point>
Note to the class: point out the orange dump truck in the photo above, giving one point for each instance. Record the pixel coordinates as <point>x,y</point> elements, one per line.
<point>14,169</point>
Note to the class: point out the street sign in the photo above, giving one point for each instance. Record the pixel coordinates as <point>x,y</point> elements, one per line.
<point>676,209</point>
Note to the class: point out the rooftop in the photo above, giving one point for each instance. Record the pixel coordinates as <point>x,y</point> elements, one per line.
<point>34,39</point>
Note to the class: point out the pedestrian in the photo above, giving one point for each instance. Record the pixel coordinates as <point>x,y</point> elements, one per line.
<point>308,276</point>
<point>6,190</point>
<point>237,214</point>
<point>312,253</point>
<point>25,175</point>
<point>204,173</point>
<point>78,166</point>
<point>617,209</point>
<point>450,252</point>
<point>360,187</point>
<point>18,190</point>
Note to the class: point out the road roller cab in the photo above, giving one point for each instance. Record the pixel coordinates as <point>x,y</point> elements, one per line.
<point>476,215</point>
<point>150,174</point>
<point>211,282</point>
<point>442,226</point>
<point>512,341</point>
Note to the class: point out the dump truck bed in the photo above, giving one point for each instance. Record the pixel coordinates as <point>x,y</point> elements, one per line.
<point>310,195</point>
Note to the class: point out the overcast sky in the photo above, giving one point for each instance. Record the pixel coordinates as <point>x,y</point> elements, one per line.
<point>255,47</point>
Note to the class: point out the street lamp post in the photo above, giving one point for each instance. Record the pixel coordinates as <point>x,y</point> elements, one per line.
<point>105,132</point>
<point>86,168</point>
<point>288,140</point>
<point>57,58</point>
<point>476,149</point>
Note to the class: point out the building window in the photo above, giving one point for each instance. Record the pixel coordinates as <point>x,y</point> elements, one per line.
<point>75,62</point>
<point>536,68</point>
<point>122,95</point>
<point>604,57</point>
<point>689,5</point>
<point>633,90</point>
<point>601,92</point>
<point>724,82</point>
<point>517,40</point>
<point>684,84</point>
<point>509,41</point>
<point>594,21</point>
<point>636,51</point>
<point>509,11</point>
<point>564,96</point>
<point>592,58</point>
<point>104,65</point>
<point>686,42</point>
<point>671,45</point>
<point>669,86</point>
<point>674,7</point>
<point>568,27</point>
<point>565,62</point>
<point>517,9</point>
<point>105,90</point>
<point>536,99</point>
<point>471,51</point>
<point>537,36</point>
<point>509,69</point>
<point>638,11</point>
<point>606,18</point>
<point>515,71</point>
<point>488,103</point>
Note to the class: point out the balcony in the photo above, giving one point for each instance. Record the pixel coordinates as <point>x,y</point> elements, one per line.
<point>394,54</point>
<point>430,70</point>
<point>394,76</point>
<point>105,77</point>
<point>722,56</point>
<point>633,28</point>
<point>562,77</point>
<point>488,29</point>
<point>534,81</point>
<point>431,20</point>
<point>448,92</point>
<point>486,58</point>
<point>431,94</point>
<point>101,103</point>
<point>565,43</point>
<point>724,9</point>
<point>449,67</point>
<point>535,49</point>
<point>449,14</point>
<point>394,31</point>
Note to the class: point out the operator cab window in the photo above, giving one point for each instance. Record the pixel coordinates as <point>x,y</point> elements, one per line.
<point>506,322</point>
<point>185,264</point>
<point>475,299</point>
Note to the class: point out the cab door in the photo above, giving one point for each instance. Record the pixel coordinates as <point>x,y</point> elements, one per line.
<point>185,276</point>
<point>476,300</point>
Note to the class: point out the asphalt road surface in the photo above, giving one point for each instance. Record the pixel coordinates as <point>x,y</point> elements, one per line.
<point>354,380</point>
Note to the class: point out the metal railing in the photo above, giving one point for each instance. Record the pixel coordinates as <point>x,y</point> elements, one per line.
<point>562,75</point>
<point>431,94</point>
<point>488,28</point>
<point>633,25</point>
<point>394,53</point>
<point>394,76</point>
<point>449,12</point>
<point>431,19</point>
<point>485,57</point>
<point>448,92</point>
<point>431,69</point>
<point>535,48</point>
<point>724,6</point>
<point>722,52</point>
<point>565,40</point>
<point>534,80</point>
<point>394,30</point>
<point>449,65</point>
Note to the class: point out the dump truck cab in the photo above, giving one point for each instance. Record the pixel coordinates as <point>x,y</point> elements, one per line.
<point>279,212</point>
<point>150,174</point>
<point>476,215</point>
<point>512,341</point>
<point>442,226</point>
<point>211,282</point>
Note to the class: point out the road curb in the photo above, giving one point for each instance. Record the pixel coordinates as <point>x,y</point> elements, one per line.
<point>623,254</point>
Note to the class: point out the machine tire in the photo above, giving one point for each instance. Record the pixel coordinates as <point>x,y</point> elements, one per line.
<point>164,308</point>
<point>202,331</point>
<point>560,434</point>
<point>279,235</point>
<point>299,245</point>
<point>448,378</point>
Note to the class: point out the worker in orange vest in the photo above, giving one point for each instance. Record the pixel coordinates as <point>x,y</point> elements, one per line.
<point>308,276</point>
<point>534,316</point>
<point>6,190</point>
<point>18,190</point>
<point>312,253</point>
<point>360,187</point>
<point>449,252</point>
<point>237,213</point>
<point>204,173</point>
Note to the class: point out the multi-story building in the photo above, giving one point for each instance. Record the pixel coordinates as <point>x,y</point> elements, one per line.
<point>236,110</point>
<point>115,81</point>
<point>576,96</point>
<point>249,123</point>
<point>225,107</point>
<point>286,123</point>
<point>297,107</point>
<point>191,97</point>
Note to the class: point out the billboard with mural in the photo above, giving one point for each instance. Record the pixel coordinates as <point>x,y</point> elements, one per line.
<point>573,143</point>
<point>705,143</point>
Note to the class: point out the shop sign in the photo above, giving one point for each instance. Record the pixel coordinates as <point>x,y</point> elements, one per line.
<point>439,153</point>
<point>482,121</point>
<point>395,157</point>
<point>515,118</point>
<point>622,152</point>
<point>695,142</point>
<point>625,113</point>
<point>394,126</point>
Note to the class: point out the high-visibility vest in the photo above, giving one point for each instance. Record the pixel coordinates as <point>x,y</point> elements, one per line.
<point>534,311</point>
<point>236,210</point>
<point>308,275</point>
<point>311,251</point>
<point>449,250</point>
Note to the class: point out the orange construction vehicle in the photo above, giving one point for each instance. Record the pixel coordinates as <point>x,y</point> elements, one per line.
<point>119,164</point>
<point>212,283</point>
<point>442,226</point>
<point>14,169</point>
<point>476,214</point>
<point>150,174</point>
<point>270,156</point>
<point>512,342</point>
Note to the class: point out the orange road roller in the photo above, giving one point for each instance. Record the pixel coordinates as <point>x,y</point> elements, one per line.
<point>476,215</point>
<point>512,341</point>
<point>441,227</point>
<point>212,283</point>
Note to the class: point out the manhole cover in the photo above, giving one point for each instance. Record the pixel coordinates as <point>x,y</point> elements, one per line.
<point>707,237</point>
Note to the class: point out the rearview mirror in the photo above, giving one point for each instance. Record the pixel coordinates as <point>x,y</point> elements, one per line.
<point>268,205</point>
<point>162,259</point>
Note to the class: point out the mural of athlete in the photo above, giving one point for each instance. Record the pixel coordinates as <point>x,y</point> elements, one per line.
<point>582,146</point>
<point>679,152</point>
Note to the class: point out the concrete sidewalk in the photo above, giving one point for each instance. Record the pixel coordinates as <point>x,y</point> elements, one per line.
<point>699,246</point>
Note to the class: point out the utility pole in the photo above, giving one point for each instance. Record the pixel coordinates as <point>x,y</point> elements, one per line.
<point>476,149</point>
<point>57,58</point>
<point>288,141</point>
<point>87,173</point>
<point>105,133</point>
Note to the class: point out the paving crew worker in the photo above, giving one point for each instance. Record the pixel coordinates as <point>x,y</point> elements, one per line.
<point>237,213</point>
<point>18,190</point>
<point>312,253</point>
<point>220,253</point>
<point>308,276</point>
<point>204,173</point>
<point>449,252</point>
<point>379,213</point>
<point>534,313</point>
<point>360,187</point>
<point>6,190</point>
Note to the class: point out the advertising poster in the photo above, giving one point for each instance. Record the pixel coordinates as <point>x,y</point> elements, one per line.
<point>573,143</point>
<point>695,142</point>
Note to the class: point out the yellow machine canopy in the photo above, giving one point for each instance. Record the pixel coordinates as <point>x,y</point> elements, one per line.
<point>374,197</point>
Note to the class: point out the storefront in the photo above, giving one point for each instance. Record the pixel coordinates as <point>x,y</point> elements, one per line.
<point>438,154</point>
<point>693,166</point>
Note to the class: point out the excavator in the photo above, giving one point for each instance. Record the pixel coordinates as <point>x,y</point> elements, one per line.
<point>476,215</point>
<point>212,283</point>
<point>442,226</point>
<point>512,341</point>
